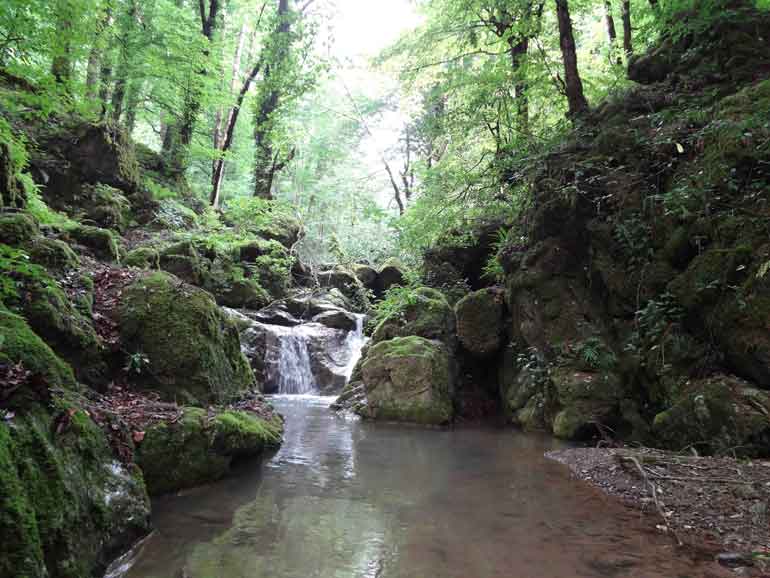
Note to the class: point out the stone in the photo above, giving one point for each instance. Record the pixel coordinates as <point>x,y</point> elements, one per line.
<point>17,229</point>
<point>426,313</point>
<point>368,276</point>
<point>391,274</point>
<point>337,320</point>
<point>103,243</point>
<point>193,348</point>
<point>480,322</point>
<point>409,379</point>
<point>200,447</point>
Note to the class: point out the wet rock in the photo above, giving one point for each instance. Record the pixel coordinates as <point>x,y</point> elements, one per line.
<point>346,283</point>
<point>276,314</point>
<point>337,320</point>
<point>200,446</point>
<point>409,379</point>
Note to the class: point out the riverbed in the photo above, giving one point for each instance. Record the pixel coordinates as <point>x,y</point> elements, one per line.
<point>344,498</point>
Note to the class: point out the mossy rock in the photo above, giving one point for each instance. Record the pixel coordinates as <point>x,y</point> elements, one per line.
<point>391,274</point>
<point>347,283</point>
<point>409,379</point>
<point>426,313</point>
<point>480,318</point>
<point>720,414</point>
<point>107,207</point>
<point>200,447</point>
<point>242,294</point>
<point>18,229</point>
<point>103,243</point>
<point>708,275</point>
<point>64,327</point>
<point>53,254</point>
<point>67,508</point>
<point>143,258</point>
<point>12,191</point>
<point>368,276</point>
<point>193,347</point>
<point>19,344</point>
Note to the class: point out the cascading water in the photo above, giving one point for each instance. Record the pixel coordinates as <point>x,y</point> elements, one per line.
<point>300,358</point>
<point>355,342</point>
<point>291,372</point>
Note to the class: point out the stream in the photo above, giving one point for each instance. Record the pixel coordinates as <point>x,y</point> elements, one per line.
<point>344,498</point>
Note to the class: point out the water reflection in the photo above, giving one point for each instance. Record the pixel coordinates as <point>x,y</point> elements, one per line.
<point>348,499</point>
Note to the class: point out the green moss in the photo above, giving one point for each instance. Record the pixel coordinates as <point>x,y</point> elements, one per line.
<point>423,311</point>
<point>65,507</point>
<point>17,229</point>
<point>708,276</point>
<point>200,447</point>
<point>720,414</point>
<point>480,322</point>
<point>19,344</point>
<point>53,254</point>
<point>143,258</point>
<point>107,207</point>
<point>409,379</point>
<point>103,242</point>
<point>193,348</point>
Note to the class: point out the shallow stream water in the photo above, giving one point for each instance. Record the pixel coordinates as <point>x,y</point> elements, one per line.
<point>350,499</point>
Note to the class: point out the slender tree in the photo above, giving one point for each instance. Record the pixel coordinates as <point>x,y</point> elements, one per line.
<point>628,46</point>
<point>573,85</point>
<point>267,162</point>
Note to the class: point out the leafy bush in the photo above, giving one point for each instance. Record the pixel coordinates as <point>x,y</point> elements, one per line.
<point>14,268</point>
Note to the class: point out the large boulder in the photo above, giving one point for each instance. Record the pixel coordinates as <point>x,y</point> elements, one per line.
<point>408,379</point>
<point>425,312</point>
<point>391,274</point>
<point>718,414</point>
<point>480,322</point>
<point>368,276</point>
<point>17,229</point>
<point>192,347</point>
<point>201,445</point>
<point>346,283</point>
<point>73,157</point>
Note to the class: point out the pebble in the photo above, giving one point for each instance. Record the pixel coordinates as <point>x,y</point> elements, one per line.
<point>734,559</point>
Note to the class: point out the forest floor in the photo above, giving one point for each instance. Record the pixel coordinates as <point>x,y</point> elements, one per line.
<point>715,505</point>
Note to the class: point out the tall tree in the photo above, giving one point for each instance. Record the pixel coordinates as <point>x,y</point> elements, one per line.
<point>612,34</point>
<point>628,46</point>
<point>179,135</point>
<point>573,85</point>
<point>266,162</point>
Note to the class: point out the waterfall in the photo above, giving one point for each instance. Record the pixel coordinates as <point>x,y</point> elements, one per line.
<point>307,358</point>
<point>354,343</point>
<point>292,371</point>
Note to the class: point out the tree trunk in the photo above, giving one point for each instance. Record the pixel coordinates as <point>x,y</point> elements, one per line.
<point>229,133</point>
<point>628,46</point>
<point>179,135</point>
<point>612,33</point>
<point>220,128</point>
<point>518,54</point>
<point>578,104</point>
<point>61,63</point>
<point>265,165</point>
<point>96,54</point>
